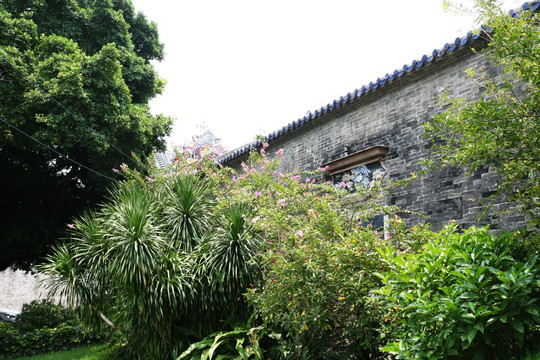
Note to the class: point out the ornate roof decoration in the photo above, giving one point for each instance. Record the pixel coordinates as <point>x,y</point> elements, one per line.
<point>416,65</point>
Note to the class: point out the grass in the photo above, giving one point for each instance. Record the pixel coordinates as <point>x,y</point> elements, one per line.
<point>91,352</point>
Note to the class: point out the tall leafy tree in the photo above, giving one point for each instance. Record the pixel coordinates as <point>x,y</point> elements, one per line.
<point>501,128</point>
<point>76,76</point>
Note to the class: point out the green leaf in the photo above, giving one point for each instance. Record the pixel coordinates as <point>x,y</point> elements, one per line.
<point>470,336</point>
<point>517,325</point>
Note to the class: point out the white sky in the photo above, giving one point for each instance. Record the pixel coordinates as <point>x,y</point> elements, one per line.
<point>248,67</point>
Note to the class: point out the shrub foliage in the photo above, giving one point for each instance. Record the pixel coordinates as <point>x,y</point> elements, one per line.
<point>42,327</point>
<point>464,296</point>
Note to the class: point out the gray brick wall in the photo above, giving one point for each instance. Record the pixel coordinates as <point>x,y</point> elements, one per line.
<point>393,115</point>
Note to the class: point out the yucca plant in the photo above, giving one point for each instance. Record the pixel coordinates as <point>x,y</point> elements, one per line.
<point>161,263</point>
<point>231,253</point>
<point>225,267</point>
<point>120,267</point>
<point>187,210</point>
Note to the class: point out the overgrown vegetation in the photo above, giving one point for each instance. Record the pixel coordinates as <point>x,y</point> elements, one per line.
<point>201,262</point>
<point>165,261</point>
<point>464,296</point>
<point>43,327</point>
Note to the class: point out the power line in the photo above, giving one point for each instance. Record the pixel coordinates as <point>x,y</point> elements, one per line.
<point>55,151</point>
<point>67,110</point>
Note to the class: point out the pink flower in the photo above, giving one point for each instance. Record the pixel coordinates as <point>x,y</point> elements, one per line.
<point>282,202</point>
<point>300,233</point>
<point>70,226</point>
<point>258,193</point>
<point>123,167</point>
<point>115,170</point>
<point>307,180</point>
<point>262,151</point>
<point>295,177</point>
<point>255,219</point>
<point>324,168</point>
<point>265,145</point>
<point>279,152</point>
<point>149,179</point>
<point>264,167</point>
<point>342,184</point>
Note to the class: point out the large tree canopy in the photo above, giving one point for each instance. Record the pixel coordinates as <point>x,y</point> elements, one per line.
<point>76,76</point>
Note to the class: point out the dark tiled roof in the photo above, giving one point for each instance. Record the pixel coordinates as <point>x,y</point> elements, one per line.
<point>447,49</point>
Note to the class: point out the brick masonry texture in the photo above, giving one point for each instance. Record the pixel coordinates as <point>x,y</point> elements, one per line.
<point>393,116</point>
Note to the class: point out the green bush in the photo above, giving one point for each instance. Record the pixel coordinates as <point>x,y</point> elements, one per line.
<point>465,296</point>
<point>42,327</point>
<point>43,313</point>
<point>14,342</point>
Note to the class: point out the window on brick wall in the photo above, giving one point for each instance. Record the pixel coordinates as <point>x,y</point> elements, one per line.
<point>360,170</point>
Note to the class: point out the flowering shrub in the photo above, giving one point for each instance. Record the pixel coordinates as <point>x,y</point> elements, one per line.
<point>318,261</point>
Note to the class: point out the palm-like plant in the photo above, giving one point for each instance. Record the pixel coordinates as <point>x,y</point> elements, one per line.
<point>187,211</point>
<point>159,264</point>
<point>75,270</point>
<point>119,263</point>
<point>229,259</point>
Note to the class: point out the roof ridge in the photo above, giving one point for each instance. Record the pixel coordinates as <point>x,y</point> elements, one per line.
<point>336,103</point>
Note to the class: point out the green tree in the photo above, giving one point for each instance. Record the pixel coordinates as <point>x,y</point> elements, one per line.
<point>76,76</point>
<point>501,128</point>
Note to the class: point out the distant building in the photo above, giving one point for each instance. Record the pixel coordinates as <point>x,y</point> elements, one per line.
<point>194,149</point>
<point>162,160</point>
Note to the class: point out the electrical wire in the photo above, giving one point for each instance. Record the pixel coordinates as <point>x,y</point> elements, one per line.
<point>55,151</point>
<point>67,110</point>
